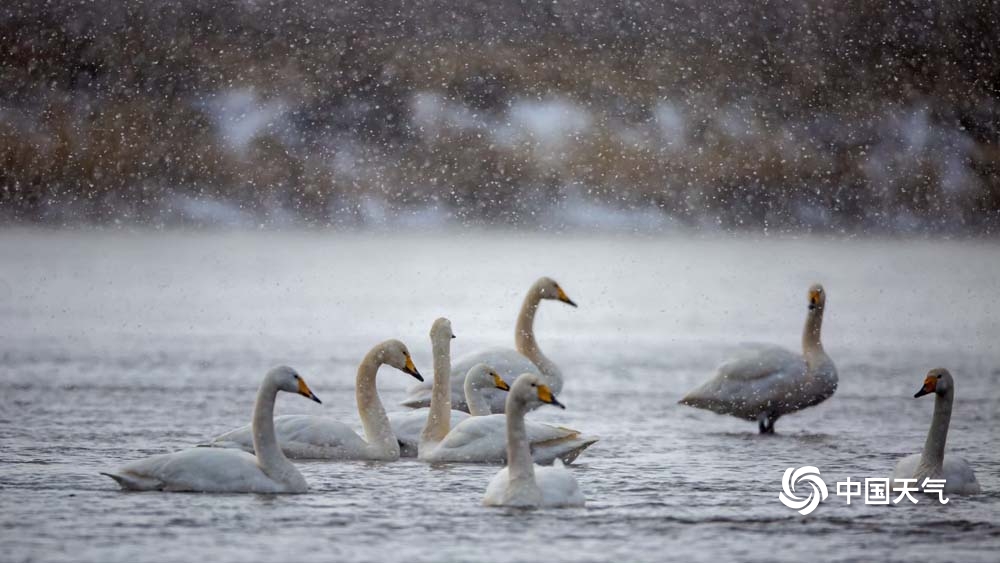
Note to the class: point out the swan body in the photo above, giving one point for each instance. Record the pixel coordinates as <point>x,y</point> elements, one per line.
<point>527,357</point>
<point>482,439</point>
<point>318,437</point>
<point>959,477</point>
<point>770,382</point>
<point>228,471</point>
<point>522,483</point>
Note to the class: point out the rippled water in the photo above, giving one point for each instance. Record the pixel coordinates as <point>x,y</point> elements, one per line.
<point>119,345</point>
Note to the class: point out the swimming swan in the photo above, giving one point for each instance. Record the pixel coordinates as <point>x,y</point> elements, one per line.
<point>480,439</point>
<point>319,437</point>
<point>959,477</point>
<point>408,425</point>
<point>228,471</point>
<point>773,381</point>
<point>521,483</point>
<point>527,357</point>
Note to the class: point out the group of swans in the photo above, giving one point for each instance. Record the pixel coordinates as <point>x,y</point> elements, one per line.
<point>762,386</point>
<point>254,458</point>
<point>770,382</point>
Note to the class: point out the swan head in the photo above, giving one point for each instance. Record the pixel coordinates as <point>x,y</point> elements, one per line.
<point>288,380</point>
<point>395,354</point>
<point>529,390</point>
<point>817,297</point>
<point>482,376</point>
<point>938,381</point>
<point>441,330</point>
<point>548,288</point>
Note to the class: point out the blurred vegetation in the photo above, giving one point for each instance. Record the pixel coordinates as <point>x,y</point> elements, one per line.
<point>834,115</point>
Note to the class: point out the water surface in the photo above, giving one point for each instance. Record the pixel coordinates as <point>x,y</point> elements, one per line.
<point>116,346</point>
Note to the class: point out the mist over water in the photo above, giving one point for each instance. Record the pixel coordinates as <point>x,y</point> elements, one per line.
<point>118,345</point>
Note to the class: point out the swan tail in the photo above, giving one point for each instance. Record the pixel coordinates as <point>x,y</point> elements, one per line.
<point>131,482</point>
<point>563,450</point>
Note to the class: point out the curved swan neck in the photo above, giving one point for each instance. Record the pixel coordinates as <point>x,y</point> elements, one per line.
<point>378,432</point>
<point>524,338</point>
<point>812,348</point>
<point>439,418</point>
<point>933,454</point>
<point>270,458</point>
<point>476,399</point>
<point>520,466</point>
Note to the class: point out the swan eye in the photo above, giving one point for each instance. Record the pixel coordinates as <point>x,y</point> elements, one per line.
<point>296,376</point>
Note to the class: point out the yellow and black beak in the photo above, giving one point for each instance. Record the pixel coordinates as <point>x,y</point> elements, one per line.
<point>412,369</point>
<point>930,385</point>
<point>499,383</point>
<point>545,395</point>
<point>561,295</point>
<point>306,392</point>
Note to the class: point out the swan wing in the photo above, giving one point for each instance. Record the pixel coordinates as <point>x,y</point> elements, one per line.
<point>302,437</point>
<point>483,439</point>
<point>767,380</point>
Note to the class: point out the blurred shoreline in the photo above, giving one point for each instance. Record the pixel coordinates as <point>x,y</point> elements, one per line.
<point>814,116</point>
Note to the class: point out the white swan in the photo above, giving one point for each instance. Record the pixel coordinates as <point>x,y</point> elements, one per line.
<point>318,437</point>
<point>772,381</point>
<point>228,471</point>
<point>959,477</point>
<point>480,439</point>
<point>408,425</point>
<point>521,483</point>
<point>527,358</point>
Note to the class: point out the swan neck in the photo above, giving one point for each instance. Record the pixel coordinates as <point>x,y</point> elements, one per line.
<point>933,455</point>
<point>476,399</point>
<point>378,432</point>
<point>439,418</point>
<point>270,458</point>
<point>520,466</point>
<point>525,343</point>
<point>812,348</point>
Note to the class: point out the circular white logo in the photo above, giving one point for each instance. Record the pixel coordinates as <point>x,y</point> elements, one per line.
<point>793,477</point>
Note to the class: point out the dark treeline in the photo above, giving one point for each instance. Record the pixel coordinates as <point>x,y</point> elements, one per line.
<point>839,115</point>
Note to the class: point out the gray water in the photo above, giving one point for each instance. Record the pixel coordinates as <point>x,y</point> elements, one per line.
<point>116,346</point>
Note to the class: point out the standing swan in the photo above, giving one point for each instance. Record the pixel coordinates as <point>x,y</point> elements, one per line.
<point>228,471</point>
<point>318,437</point>
<point>773,381</point>
<point>527,357</point>
<point>480,439</point>
<point>521,483</point>
<point>959,477</point>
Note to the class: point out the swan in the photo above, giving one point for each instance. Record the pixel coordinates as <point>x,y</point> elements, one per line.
<point>480,439</point>
<point>318,437</point>
<point>527,357</point>
<point>407,425</point>
<point>959,477</point>
<point>228,471</point>
<point>521,483</point>
<point>773,381</point>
